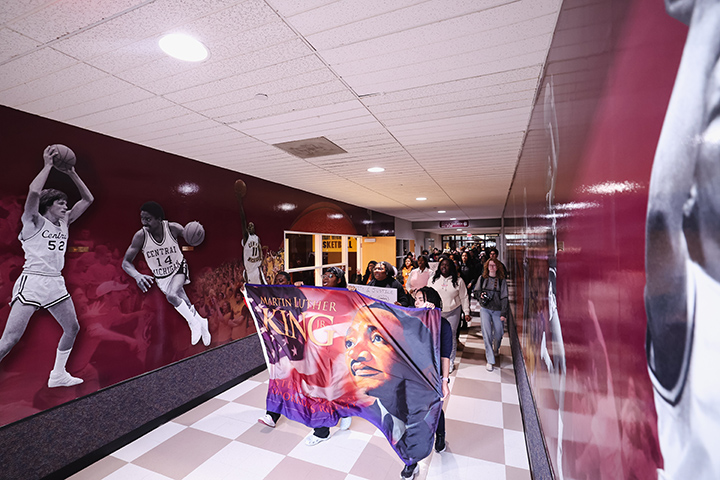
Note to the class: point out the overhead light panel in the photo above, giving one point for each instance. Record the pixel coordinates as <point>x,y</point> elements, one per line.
<point>421,199</point>
<point>441,211</point>
<point>376,169</point>
<point>183,47</point>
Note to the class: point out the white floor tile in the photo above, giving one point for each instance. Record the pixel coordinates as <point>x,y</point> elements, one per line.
<point>147,442</point>
<point>478,372</point>
<point>238,390</point>
<point>515,449</point>
<point>510,394</point>
<point>236,412</point>
<point>340,452</point>
<point>134,472</point>
<point>223,425</point>
<point>457,467</point>
<point>237,461</point>
<point>475,410</point>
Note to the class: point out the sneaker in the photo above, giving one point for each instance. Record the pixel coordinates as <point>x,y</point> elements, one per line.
<point>204,332</point>
<point>313,440</point>
<point>489,367</point>
<point>267,420</point>
<point>195,331</point>
<point>345,423</point>
<point>63,379</point>
<point>409,471</point>
<point>440,442</point>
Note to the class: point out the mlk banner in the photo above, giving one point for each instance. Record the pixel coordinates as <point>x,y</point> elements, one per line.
<point>333,353</point>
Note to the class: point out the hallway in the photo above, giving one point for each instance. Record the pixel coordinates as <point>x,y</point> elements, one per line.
<point>222,440</point>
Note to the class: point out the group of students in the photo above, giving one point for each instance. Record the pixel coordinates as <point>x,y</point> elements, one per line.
<point>443,288</point>
<point>458,276</point>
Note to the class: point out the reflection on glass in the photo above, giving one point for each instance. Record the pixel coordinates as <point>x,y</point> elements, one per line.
<point>301,250</point>
<point>307,277</point>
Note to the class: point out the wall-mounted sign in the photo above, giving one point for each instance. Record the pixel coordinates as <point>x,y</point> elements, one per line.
<point>333,243</point>
<point>454,224</point>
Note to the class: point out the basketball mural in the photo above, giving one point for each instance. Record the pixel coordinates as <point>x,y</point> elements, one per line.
<point>598,315</point>
<point>44,238</point>
<point>158,240</point>
<point>80,307</point>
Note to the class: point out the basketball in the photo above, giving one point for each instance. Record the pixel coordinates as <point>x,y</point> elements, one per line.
<point>240,188</point>
<point>194,233</point>
<point>64,158</point>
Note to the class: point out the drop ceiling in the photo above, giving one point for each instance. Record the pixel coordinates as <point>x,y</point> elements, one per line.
<point>437,92</point>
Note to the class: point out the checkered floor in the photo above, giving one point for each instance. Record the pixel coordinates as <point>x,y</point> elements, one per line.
<point>222,440</point>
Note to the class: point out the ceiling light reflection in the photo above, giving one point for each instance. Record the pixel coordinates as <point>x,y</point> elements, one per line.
<point>577,205</point>
<point>188,188</point>
<point>183,47</point>
<point>611,188</point>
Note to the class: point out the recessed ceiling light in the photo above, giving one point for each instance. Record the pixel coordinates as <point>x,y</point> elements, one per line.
<point>459,229</point>
<point>453,218</point>
<point>376,169</point>
<point>183,47</point>
<point>441,211</point>
<point>421,199</point>
<point>261,96</point>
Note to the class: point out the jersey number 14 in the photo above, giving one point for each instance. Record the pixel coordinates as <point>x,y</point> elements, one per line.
<point>167,260</point>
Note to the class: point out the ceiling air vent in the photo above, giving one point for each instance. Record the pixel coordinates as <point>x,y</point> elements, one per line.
<point>310,147</point>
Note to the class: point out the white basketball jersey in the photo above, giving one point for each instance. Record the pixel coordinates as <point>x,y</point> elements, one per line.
<point>252,257</point>
<point>45,250</point>
<point>164,257</point>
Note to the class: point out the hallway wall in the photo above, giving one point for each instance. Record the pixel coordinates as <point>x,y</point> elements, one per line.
<point>575,226</point>
<point>133,350</point>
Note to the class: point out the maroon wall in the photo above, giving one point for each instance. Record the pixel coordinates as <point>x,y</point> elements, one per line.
<point>128,333</point>
<point>575,221</point>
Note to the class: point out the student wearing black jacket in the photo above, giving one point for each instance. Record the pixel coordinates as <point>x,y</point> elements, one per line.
<point>383,277</point>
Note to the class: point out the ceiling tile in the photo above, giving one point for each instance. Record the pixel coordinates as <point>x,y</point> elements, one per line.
<point>33,66</point>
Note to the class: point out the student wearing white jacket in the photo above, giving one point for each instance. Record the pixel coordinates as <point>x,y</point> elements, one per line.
<point>453,291</point>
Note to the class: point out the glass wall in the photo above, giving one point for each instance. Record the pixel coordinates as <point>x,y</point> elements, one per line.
<point>306,266</point>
